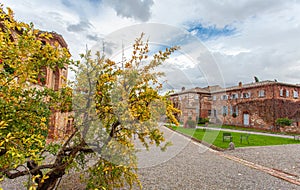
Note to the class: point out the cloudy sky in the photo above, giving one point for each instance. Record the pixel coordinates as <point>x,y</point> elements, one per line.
<point>240,39</point>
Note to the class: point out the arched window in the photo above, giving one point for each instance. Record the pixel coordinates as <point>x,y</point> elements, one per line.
<point>55,79</point>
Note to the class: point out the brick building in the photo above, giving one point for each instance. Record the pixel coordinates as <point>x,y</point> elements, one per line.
<point>60,123</point>
<point>256,105</point>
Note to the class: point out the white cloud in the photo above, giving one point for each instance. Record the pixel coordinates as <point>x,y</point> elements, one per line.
<point>265,43</point>
<point>137,9</point>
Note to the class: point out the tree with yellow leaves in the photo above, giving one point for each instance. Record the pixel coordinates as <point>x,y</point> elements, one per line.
<point>25,106</point>
<point>112,104</point>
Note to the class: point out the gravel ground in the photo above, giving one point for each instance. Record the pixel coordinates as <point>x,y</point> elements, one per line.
<point>196,167</point>
<point>188,165</point>
<point>285,157</point>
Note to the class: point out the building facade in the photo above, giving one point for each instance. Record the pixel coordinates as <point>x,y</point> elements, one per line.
<point>55,78</point>
<point>60,122</point>
<point>255,105</point>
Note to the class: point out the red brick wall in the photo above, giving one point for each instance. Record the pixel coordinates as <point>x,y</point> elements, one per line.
<point>262,110</point>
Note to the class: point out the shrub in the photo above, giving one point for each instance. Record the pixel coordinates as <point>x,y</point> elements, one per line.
<point>283,121</point>
<point>203,120</point>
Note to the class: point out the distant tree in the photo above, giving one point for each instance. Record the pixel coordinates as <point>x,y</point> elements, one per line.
<point>256,79</point>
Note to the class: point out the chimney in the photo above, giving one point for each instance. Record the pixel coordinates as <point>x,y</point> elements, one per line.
<point>183,89</point>
<point>240,84</point>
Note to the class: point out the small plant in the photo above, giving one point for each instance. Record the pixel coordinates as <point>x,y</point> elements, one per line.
<point>283,122</point>
<point>203,120</point>
<point>234,115</point>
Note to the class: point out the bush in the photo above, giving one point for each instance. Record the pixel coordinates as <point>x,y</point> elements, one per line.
<point>203,120</point>
<point>283,121</point>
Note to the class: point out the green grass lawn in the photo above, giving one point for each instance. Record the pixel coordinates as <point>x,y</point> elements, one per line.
<point>248,129</point>
<point>216,138</point>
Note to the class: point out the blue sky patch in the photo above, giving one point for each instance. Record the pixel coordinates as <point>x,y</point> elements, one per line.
<point>210,32</point>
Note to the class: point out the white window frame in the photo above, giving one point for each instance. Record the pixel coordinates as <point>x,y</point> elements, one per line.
<point>281,92</point>
<point>214,98</point>
<point>225,110</point>
<point>261,93</point>
<point>246,95</point>
<point>235,96</point>
<point>236,111</point>
<point>225,97</point>
<point>295,94</point>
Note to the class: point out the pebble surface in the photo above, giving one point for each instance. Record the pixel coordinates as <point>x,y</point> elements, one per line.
<point>189,165</point>
<point>196,167</point>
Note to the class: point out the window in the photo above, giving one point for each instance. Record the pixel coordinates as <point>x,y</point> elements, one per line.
<point>225,110</point>
<point>214,98</point>
<point>215,113</point>
<point>295,94</point>
<point>234,96</point>
<point>225,97</point>
<point>261,93</point>
<point>42,76</point>
<point>287,93</point>
<point>235,110</point>
<point>281,92</point>
<point>55,85</point>
<point>209,112</point>
<point>246,95</point>
<point>196,97</point>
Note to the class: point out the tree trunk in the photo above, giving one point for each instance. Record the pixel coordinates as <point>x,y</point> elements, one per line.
<point>50,182</point>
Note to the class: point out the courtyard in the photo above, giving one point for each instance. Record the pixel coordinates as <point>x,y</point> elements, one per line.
<point>190,165</point>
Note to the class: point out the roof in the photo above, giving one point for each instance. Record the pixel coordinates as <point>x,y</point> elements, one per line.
<point>59,38</point>
<point>55,35</point>
<point>198,90</point>
<point>255,85</point>
<point>217,88</point>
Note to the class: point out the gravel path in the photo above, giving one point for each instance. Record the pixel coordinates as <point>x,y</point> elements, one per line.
<point>189,165</point>
<point>285,157</point>
<point>196,167</point>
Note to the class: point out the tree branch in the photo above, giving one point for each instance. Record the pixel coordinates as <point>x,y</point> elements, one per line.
<point>12,175</point>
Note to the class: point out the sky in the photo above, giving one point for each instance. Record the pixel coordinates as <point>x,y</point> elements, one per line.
<point>222,41</point>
